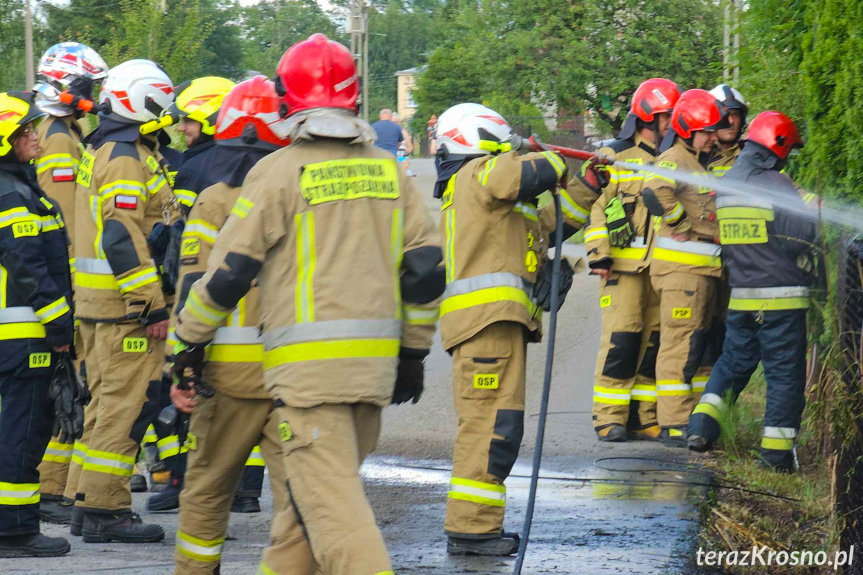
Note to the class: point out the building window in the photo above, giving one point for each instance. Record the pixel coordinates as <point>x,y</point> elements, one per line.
<point>411,103</point>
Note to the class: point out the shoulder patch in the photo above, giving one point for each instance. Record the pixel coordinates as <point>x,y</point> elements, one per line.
<point>667,164</point>
<point>124,150</point>
<point>58,126</point>
<point>621,145</point>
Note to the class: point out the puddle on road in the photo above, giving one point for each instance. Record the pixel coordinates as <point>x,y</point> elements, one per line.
<point>611,521</point>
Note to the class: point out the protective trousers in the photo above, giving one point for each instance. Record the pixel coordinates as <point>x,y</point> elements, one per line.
<point>329,526</point>
<point>168,445</point>
<point>778,340</point>
<point>222,431</point>
<point>715,338</point>
<point>488,384</point>
<point>126,368</point>
<point>54,469</point>
<point>686,311</point>
<point>86,335</point>
<point>626,364</point>
<point>26,421</point>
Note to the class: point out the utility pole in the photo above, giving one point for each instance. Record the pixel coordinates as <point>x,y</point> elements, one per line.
<point>731,41</point>
<point>357,24</point>
<point>30,72</point>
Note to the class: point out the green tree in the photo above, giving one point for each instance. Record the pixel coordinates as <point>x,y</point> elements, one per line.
<point>12,46</point>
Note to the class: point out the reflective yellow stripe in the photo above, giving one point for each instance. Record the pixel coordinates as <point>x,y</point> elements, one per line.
<point>674,215</point>
<point>555,162</point>
<point>644,392</point>
<point>15,216</point>
<point>421,316</point>
<point>572,210</point>
<point>201,229</point>
<point>526,211</point>
<point>450,246</point>
<point>611,395</point>
<point>628,253</point>
<point>186,197</point>
<point>594,234</point>
<point>239,353</point>
<point>698,260</point>
<point>57,452</point>
<point>669,387</point>
<point>24,330</point>
<point>263,569</point>
<point>306,260</point>
<point>138,279</point>
<point>255,459</point>
<point>397,237</point>
<point>53,161</point>
<point>53,310</point>
<point>242,207</point>
<point>96,281</point>
<point>206,313</point>
<point>777,444</point>
<point>748,213</point>
<point>130,187</point>
<point>109,463</point>
<point>335,349</point>
<point>79,451</point>
<point>150,435</point>
<point>484,296</point>
<point>19,493</point>
<point>168,446</point>
<point>155,183</point>
<point>775,304</point>
<point>489,166</point>
<point>709,410</point>
<point>199,549</point>
<point>477,492</point>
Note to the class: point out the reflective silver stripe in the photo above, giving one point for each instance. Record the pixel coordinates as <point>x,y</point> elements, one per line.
<point>335,329</point>
<point>92,459</point>
<point>525,210</point>
<point>93,266</point>
<point>237,336</point>
<point>712,399</point>
<point>769,292</point>
<point>17,214</point>
<point>701,248</point>
<point>486,281</point>
<point>733,201</point>
<point>213,549</point>
<point>638,243</point>
<point>779,432</point>
<point>18,315</point>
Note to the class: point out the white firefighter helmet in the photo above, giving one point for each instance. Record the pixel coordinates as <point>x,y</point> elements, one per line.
<point>136,91</point>
<point>733,100</point>
<point>67,66</point>
<point>462,129</point>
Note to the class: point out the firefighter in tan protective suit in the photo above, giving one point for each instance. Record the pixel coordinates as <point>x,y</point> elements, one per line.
<point>123,194</point>
<point>340,243</point>
<point>226,426</point>
<point>72,68</point>
<point>685,266</point>
<point>494,250</point>
<point>618,240</point>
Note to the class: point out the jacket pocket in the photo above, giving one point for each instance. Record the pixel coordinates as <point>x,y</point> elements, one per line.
<point>482,365</point>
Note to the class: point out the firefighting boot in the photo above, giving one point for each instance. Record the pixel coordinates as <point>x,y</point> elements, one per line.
<point>613,433</point>
<point>699,444</point>
<point>159,480</point>
<point>77,521</point>
<point>649,432</point>
<point>168,499</point>
<point>55,509</point>
<point>506,544</point>
<point>673,437</point>
<point>245,505</point>
<point>120,526</point>
<point>33,545</point>
<point>139,482</point>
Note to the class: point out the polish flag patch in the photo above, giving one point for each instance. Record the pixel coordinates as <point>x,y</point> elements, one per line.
<point>126,202</point>
<point>63,175</point>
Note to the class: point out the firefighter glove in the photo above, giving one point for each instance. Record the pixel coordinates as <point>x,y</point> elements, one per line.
<point>620,232</point>
<point>410,376</point>
<point>187,364</point>
<point>69,395</point>
<point>594,176</point>
<point>543,286</point>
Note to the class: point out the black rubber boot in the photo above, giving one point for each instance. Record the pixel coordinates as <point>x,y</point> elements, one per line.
<point>55,509</point>
<point>167,499</point>
<point>698,444</point>
<point>122,526</point>
<point>33,545</point>
<point>138,483</point>
<point>506,544</point>
<point>673,437</point>
<point>245,505</point>
<point>612,434</point>
<point>77,521</point>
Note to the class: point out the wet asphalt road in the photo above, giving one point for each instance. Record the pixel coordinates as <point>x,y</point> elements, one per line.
<point>629,525</point>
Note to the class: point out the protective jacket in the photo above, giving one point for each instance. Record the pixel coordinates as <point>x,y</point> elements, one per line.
<point>767,242</point>
<point>35,284</point>
<point>686,208</point>
<point>576,201</point>
<point>722,160</point>
<point>123,192</point>
<point>234,357</point>
<point>626,186</point>
<point>494,242</point>
<point>341,244</point>
<point>60,152</point>
<point>193,175</point>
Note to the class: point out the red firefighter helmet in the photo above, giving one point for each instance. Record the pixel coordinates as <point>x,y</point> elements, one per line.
<point>776,132</point>
<point>317,73</point>
<point>698,110</point>
<point>654,96</point>
<point>247,115</point>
